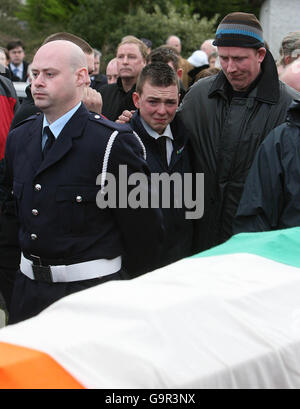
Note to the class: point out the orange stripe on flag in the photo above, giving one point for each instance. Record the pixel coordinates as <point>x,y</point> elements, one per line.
<point>24,368</point>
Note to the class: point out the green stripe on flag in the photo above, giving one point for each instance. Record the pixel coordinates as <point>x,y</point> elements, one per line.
<point>279,245</point>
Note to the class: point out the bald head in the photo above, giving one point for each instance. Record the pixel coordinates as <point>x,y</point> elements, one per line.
<point>208,47</point>
<point>59,71</point>
<point>291,75</point>
<point>112,71</point>
<point>175,42</point>
<point>70,53</point>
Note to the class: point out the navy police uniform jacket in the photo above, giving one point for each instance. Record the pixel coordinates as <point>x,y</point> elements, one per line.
<point>56,197</point>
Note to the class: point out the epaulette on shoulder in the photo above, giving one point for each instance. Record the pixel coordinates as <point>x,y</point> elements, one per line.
<point>101,119</point>
<point>30,118</point>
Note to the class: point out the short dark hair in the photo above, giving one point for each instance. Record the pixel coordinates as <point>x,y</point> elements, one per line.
<point>159,74</point>
<point>86,48</point>
<point>14,44</point>
<point>166,54</point>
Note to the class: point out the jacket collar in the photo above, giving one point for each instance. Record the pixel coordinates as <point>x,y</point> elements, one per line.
<point>120,86</point>
<point>73,129</point>
<point>179,132</point>
<point>267,89</point>
<point>293,114</point>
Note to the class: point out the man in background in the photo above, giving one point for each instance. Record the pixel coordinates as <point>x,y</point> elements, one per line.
<point>208,47</point>
<point>97,79</point>
<point>131,58</point>
<point>112,71</point>
<point>174,41</point>
<point>17,66</point>
<point>168,55</point>
<point>291,75</point>
<point>289,51</point>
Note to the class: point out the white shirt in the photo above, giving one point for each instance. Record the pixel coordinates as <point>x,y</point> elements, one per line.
<point>169,137</point>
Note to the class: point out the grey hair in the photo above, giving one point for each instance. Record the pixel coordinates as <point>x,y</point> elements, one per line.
<point>290,46</point>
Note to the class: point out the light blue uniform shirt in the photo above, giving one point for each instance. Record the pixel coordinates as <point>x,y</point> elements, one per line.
<point>57,126</point>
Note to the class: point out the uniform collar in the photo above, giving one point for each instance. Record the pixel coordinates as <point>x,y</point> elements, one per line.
<point>167,132</point>
<point>57,126</point>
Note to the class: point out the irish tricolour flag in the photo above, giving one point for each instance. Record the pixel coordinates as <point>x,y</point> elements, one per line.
<point>226,318</point>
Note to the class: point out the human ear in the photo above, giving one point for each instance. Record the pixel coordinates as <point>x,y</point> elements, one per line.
<point>261,54</point>
<point>82,77</point>
<point>179,73</point>
<point>136,99</point>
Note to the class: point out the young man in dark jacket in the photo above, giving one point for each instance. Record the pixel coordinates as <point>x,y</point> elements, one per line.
<point>271,197</point>
<point>168,152</point>
<point>228,116</point>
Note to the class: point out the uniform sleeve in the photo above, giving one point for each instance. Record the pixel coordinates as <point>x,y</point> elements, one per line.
<point>263,196</point>
<point>141,227</point>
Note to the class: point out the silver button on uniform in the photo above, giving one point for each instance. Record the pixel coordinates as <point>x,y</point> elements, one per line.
<point>35,212</point>
<point>33,236</point>
<point>78,199</point>
<point>37,187</point>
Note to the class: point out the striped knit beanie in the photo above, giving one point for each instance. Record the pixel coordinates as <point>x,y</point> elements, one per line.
<point>239,30</point>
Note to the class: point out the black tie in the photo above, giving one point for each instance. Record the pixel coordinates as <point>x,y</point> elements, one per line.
<point>49,142</point>
<point>162,140</point>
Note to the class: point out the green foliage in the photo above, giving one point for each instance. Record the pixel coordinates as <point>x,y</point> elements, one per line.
<point>8,7</point>
<point>11,27</point>
<point>8,19</point>
<point>42,13</point>
<point>156,26</point>
<point>104,22</point>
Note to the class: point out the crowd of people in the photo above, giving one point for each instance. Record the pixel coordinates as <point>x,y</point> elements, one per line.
<point>229,112</point>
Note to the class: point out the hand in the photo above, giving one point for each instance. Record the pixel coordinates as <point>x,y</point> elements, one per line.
<point>125,117</point>
<point>92,100</point>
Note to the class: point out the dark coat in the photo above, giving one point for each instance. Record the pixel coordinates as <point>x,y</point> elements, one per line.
<point>194,73</point>
<point>116,100</point>
<point>25,73</point>
<point>271,197</point>
<point>226,134</point>
<point>98,81</point>
<point>178,229</point>
<point>5,72</point>
<point>25,110</point>
<point>67,231</point>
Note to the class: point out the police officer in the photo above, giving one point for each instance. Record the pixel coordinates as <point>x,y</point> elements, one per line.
<point>52,164</point>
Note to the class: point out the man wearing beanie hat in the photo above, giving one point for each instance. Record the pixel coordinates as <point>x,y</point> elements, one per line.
<point>228,115</point>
